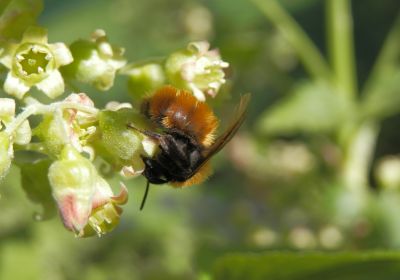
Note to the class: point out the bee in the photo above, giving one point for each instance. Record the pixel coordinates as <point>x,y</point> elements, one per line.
<point>186,139</point>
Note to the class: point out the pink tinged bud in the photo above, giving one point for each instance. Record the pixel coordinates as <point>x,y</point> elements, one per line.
<point>73,181</point>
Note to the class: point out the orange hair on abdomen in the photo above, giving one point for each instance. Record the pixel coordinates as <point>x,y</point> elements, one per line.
<point>179,109</point>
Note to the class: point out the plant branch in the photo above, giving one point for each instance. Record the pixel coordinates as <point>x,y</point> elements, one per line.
<point>308,53</point>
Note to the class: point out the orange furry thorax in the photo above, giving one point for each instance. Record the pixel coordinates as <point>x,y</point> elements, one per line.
<point>172,108</point>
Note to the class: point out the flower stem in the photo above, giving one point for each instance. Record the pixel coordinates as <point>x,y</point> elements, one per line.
<point>309,54</point>
<point>38,108</point>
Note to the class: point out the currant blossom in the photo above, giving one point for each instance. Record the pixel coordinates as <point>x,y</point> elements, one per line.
<point>197,69</point>
<point>96,61</point>
<point>69,126</point>
<point>35,62</point>
<point>85,200</point>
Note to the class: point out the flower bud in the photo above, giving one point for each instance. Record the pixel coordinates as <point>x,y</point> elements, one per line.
<point>96,61</point>
<point>120,141</point>
<point>53,134</point>
<point>197,69</point>
<point>73,180</point>
<point>35,62</point>
<point>6,154</point>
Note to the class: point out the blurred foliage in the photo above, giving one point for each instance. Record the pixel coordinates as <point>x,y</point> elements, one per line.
<point>278,185</point>
<point>354,266</point>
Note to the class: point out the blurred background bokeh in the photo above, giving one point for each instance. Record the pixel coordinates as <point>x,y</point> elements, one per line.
<point>284,183</point>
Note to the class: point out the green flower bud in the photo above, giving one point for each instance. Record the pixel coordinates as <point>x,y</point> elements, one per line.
<point>73,180</point>
<point>197,69</point>
<point>6,154</point>
<point>53,134</point>
<point>34,62</point>
<point>122,146</point>
<point>144,79</point>
<point>96,61</point>
<point>120,141</point>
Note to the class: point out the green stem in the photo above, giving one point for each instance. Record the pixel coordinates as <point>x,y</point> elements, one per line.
<point>358,156</point>
<point>35,147</point>
<point>38,108</point>
<point>309,54</point>
<point>341,46</point>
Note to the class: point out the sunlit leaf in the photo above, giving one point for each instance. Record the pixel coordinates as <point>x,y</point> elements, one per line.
<point>311,107</point>
<point>36,185</point>
<point>17,15</point>
<point>309,266</point>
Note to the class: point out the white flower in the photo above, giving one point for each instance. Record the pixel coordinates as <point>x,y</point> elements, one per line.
<point>96,61</point>
<point>197,69</point>
<point>35,62</point>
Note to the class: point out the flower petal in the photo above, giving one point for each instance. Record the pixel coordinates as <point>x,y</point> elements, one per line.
<point>53,85</point>
<point>7,109</point>
<point>61,53</point>
<point>7,54</point>
<point>122,197</point>
<point>15,86</point>
<point>35,34</point>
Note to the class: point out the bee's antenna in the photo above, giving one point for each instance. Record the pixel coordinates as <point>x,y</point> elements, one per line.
<point>148,133</point>
<point>145,195</point>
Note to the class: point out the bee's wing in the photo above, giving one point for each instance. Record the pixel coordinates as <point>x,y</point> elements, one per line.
<point>230,131</point>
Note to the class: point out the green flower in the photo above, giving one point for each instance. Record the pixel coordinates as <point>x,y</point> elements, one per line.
<point>35,62</point>
<point>96,61</point>
<point>197,69</point>
<point>68,127</point>
<point>106,210</point>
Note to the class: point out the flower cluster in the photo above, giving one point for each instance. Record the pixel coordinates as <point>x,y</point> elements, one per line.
<point>73,138</point>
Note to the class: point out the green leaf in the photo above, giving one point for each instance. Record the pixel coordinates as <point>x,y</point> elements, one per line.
<point>37,187</point>
<point>312,107</point>
<point>384,100</point>
<point>309,266</point>
<point>17,15</point>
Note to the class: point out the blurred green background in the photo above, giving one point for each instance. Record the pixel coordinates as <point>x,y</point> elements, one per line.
<point>308,170</point>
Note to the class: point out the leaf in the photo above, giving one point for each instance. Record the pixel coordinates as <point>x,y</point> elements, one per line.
<point>17,15</point>
<point>384,100</point>
<point>37,187</point>
<point>312,107</point>
<point>309,266</point>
